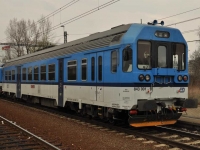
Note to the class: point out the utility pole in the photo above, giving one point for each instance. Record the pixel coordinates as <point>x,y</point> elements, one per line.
<point>65,34</point>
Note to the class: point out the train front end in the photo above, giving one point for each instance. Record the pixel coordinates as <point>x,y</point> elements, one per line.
<point>161,76</point>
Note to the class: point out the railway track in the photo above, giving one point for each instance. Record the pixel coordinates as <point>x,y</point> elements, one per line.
<point>174,138</point>
<point>13,136</point>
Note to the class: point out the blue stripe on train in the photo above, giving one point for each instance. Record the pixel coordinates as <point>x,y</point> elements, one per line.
<point>110,84</point>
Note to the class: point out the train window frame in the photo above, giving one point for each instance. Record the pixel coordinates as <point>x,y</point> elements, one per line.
<point>36,74</point>
<point>51,72</point>
<point>115,60</point>
<point>24,74</point>
<point>84,63</point>
<point>13,75</point>
<point>70,64</point>
<point>30,73</point>
<point>9,76</point>
<point>124,52</point>
<point>43,74</point>
<point>149,56</point>
<point>92,68</point>
<point>184,46</point>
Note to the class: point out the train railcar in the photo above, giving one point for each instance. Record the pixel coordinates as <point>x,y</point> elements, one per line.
<point>133,72</point>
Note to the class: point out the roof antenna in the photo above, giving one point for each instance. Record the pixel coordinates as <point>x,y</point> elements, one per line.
<point>155,22</point>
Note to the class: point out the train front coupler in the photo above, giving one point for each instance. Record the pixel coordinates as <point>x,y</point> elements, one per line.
<point>152,113</point>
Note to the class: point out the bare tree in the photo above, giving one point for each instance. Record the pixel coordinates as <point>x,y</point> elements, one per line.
<point>194,65</point>
<point>27,36</point>
<point>15,32</point>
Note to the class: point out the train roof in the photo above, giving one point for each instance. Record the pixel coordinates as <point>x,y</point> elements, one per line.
<point>96,40</point>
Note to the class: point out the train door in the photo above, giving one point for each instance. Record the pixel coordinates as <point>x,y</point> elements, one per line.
<point>99,72</point>
<point>162,62</point>
<point>60,82</point>
<point>18,95</point>
<point>163,58</point>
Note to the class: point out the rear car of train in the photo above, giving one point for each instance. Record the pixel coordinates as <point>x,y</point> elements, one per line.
<point>160,64</point>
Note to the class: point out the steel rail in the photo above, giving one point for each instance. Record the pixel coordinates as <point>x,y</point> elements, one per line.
<point>49,145</point>
<point>124,129</point>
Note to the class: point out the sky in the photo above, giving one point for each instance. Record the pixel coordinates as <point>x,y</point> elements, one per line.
<point>121,12</point>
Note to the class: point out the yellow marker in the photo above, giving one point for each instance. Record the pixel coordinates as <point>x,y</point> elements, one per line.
<point>153,123</point>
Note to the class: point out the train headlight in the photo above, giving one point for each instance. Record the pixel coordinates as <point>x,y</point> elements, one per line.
<point>180,78</point>
<point>141,77</point>
<point>185,78</point>
<point>162,34</point>
<point>147,77</point>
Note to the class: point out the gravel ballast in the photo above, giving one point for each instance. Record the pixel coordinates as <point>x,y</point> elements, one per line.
<point>68,133</point>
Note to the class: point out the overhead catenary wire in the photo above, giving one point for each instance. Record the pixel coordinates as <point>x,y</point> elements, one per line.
<point>183,21</point>
<point>83,14</point>
<point>180,13</point>
<point>61,8</point>
<point>52,14</point>
<point>189,31</point>
<point>193,41</point>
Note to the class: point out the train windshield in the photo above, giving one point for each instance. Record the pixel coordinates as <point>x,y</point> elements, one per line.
<point>144,55</point>
<point>178,56</point>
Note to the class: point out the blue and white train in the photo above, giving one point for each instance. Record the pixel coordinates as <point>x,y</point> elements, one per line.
<point>131,72</point>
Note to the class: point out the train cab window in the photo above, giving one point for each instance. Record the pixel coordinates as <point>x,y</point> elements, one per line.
<point>92,68</point>
<point>23,73</point>
<point>100,68</point>
<point>178,56</point>
<point>162,58</point>
<point>114,61</point>
<point>13,74</point>
<point>72,70</point>
<point>84,69</point>
<point>36,73</point>
<point>144,55</point>
<point>30,73</point>
<point>43,72</point>
<point>51,72</point>
<point>127,59</point>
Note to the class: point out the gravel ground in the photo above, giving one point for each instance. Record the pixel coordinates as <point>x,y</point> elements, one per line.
<point>70,134</point>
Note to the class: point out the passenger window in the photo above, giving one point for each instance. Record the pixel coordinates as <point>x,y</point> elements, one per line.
<point>52,72</point>
<point>23,73</point>
<point>127,60</point>
<point>6,75</point>
<point>30,73</point>
<point>43,73</point>
<point>84,69</point>
<point>114,61</point>
<point>13,74</point>
<point>72,70</point>
<point>9,75</point>
<point>92,68</point>
<point>36,71</point>
<point>162,58</point>
<point>144,55</point>
<point>100,68</point>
